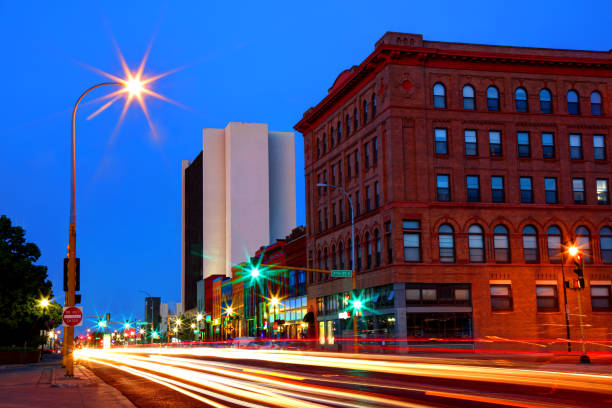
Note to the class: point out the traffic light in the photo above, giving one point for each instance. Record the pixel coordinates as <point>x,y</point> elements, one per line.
<point>579,264</point>
<point>108,317</point>
<point>254,272</point>
<point>77,284</point>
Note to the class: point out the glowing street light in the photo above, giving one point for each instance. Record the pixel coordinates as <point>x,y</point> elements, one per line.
<point>572,250</point>
<point>178,322</point>
<point>274,301</point>
<point>193,325</point>
<point>175,329</point>
<point>357,304</point>
<point>229,311</point>
<point>126,325</point>
<point>199,317</point>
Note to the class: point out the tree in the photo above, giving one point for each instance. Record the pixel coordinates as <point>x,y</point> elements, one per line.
<point>22,285</point>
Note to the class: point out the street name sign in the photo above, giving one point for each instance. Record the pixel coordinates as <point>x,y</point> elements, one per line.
<point>341,273</point>
<point>73,316</point>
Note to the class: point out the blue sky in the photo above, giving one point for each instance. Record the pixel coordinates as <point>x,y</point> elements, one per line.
<point>243,61</point>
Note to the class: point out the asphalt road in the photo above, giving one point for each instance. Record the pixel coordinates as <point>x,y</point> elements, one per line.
<point>189,377</point>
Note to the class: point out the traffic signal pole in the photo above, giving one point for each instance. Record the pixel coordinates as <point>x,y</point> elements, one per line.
<point>567,321</point>
<point>584,358</point>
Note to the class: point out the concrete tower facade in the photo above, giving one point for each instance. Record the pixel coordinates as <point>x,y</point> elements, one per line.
<point>248,195</point>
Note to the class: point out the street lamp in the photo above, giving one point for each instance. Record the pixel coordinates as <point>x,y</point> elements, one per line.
<point>134,86</point>
<point>44,304</point>
<point>354,249</point>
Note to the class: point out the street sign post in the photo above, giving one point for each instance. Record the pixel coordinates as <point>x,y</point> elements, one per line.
<point>341,273</point>
<point>73,316</point>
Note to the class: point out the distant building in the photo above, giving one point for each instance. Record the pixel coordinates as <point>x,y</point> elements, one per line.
<point>238,194</point>
<point>164,311</point>
<point>152,311</point>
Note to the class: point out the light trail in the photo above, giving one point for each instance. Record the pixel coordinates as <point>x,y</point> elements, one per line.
<point>394,365</point>
<point>229,378</point>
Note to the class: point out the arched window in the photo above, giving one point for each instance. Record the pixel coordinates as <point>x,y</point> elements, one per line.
<point>320,259</point>
<point>326,257</point>
<point>373,105</point>
<point>358,247</point>
<point>365,112</point>
<point>368,251</point>
<point>318,148</point>
<point>545,101</point>
<point>324,143</point>
<point>492,98</point>
<point>605,242</point>
<point>349,250</point>
<point>583,242</point>
<point>520,98</point>
<point>530,244</point>
<point>339,132</point>
<point>476,243</point>
<point>378,247</point>
<point>554,244</point>
<point>446,242</point>
<point>332,139</point>
<point>341,254</point>
<point>348,125</point>
<point>572,103</point>
<point>501,244</point>
<point>439,95</point>
<point>333,257</point>
<point>469,101</point>
<point>595,103</point>
<point>356,119</point>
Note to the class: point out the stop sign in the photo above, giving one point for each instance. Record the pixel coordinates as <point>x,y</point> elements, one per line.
<point>73,316</point>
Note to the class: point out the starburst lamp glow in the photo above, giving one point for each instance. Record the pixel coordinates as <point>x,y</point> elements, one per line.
<point>134,86</point>
<point>572,250</point>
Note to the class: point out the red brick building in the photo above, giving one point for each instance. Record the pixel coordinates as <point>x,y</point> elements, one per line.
<point>469,167</point>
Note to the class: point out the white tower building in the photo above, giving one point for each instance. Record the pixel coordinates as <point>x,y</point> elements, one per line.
<point>248,195</point>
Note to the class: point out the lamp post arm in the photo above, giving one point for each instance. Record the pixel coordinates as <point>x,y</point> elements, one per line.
<point>73,176</point>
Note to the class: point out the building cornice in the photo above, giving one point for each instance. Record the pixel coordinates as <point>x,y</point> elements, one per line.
<point>350,81</point>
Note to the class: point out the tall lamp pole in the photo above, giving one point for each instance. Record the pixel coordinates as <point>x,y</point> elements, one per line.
<point>67,357</point>
<point>353,266</point>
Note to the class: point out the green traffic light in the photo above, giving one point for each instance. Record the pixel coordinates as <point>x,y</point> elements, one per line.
<point>357,304</point>
<point>255,272</point>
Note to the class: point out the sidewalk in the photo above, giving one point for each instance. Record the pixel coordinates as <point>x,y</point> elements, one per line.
<point>44,385</point>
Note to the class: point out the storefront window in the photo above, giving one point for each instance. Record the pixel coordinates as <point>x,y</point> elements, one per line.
<point>321,332</point>
<point>443,294</point>
<point>375,326</point>
<point>439,325</point>
<point>330,332</point>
